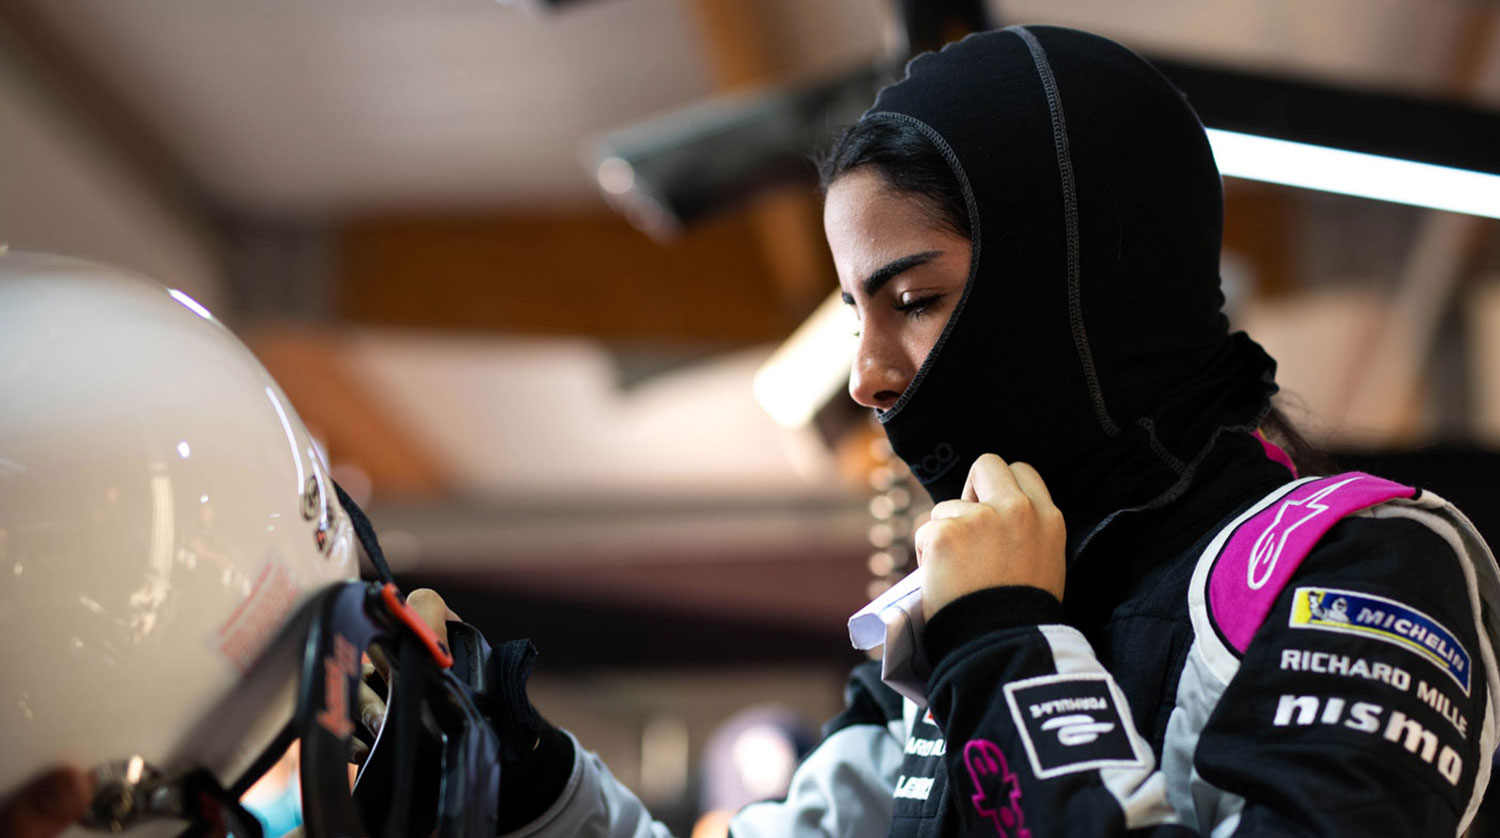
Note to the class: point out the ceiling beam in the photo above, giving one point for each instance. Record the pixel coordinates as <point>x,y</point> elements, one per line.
<point>581,273</point>
<point>94,102</point>
<point>741,41</point>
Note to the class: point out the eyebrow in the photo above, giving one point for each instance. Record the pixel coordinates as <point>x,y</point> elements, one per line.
<point>890,270</point>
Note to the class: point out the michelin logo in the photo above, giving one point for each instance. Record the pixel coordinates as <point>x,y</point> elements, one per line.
<point>1351,612</point>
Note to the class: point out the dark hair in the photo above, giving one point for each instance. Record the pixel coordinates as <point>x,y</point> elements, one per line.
<point>907,161</point>
<point>1280,429</point>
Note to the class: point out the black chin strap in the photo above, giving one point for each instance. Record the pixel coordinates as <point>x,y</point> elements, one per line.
<point>366,533</point>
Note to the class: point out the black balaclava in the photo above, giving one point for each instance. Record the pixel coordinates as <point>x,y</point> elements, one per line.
<point>1089,340</point>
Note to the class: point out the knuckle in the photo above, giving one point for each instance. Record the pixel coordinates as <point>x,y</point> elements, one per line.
<point>1011,505</point>
<point>987,514</point>
<point>939,533</point>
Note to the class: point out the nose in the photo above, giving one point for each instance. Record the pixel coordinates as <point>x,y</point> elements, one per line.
<point>879,375</point>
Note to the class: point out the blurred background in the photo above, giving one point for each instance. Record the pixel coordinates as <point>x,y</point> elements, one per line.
<point>547,280</point>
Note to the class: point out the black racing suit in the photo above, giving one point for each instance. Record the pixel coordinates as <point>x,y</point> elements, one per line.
<point>1100,716</point>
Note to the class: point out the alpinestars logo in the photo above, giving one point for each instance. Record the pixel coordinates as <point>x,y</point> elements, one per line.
<point>1294,512</point>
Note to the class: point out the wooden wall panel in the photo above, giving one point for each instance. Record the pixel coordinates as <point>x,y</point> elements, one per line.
<point>585,273</point>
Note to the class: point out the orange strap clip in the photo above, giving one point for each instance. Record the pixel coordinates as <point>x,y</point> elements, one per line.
<point>405,614</point>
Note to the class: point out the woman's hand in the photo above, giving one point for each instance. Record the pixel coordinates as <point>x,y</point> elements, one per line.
<point>1005,531</point>
<point>371,707</point>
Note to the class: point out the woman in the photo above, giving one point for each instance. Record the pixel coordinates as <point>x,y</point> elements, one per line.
<point>1136,620</point>
<point>1028,226</point>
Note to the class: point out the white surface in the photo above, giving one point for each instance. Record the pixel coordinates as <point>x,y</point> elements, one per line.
<point>895,619</point>
<point>547,420</point>
<point>288,107</point>
<point>150,473</point>
<point>61,191</point>
<point>306,107</point>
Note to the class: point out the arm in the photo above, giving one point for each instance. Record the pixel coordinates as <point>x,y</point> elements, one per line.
<point>1377,725</point>
<point>842,788</point>
<point>1039,737</point>
<point>1320,732</point>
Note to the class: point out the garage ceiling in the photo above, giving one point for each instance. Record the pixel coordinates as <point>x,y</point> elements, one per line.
<point>289,108</point>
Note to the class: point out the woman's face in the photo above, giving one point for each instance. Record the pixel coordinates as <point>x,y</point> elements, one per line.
<point>901,271</point>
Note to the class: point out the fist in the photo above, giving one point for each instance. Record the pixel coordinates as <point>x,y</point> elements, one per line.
<point>1005,531</point>
<point>436,614</point>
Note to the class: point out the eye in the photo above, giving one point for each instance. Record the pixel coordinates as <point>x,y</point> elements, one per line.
<point>917,304</point>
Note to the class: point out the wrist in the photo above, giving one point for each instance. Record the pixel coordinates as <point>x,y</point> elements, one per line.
<point>985,611</point>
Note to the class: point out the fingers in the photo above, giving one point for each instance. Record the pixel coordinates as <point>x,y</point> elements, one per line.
<point>950,509</point>
<point>48,805</point>
<point>1032,484</point>
<point>382,665</point>
<point>433,611</point>
<point>989,478</point>
<point>371,707</point>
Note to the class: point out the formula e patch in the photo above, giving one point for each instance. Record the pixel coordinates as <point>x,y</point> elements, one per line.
<point>1351,612</point>
<point>1071,723</point>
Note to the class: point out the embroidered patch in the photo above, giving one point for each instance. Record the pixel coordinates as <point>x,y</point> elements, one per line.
<point>1071,723</point>
<point>997,792</point>
<point>1351,612</point>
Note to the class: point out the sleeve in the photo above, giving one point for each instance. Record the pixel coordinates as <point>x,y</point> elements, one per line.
<point>593,804</point>
<point>1361,707</point>
<point>842,788</point>
<point>1040,738</point>
<point>845,786</point>
<point>1357,709</point>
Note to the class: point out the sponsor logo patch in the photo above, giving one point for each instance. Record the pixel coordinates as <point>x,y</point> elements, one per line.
<point>1071,723</point>
<point>1367,717</point>
<point>997,792</point>
<point>1351,612</point>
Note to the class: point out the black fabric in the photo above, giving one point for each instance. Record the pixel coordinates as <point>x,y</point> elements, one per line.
<point>1252,749</point>
<point>536,759</point>
<point>365,531</point>
<point>987,610</point>
<point>536,781</point>
<point>1316,772</point>
<point>1089,341</point>
<point>867,700</point>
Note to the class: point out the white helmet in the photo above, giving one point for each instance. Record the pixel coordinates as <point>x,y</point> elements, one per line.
<point>163,513</point>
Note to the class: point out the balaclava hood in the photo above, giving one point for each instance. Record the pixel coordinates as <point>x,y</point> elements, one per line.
<point>1089,340</point>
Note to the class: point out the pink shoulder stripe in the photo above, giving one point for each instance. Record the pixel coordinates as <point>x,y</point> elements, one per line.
<point>1262,554</point>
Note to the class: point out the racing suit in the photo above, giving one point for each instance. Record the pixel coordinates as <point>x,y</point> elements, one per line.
<point>1128,709</point>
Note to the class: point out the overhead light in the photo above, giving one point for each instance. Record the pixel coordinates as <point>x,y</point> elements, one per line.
<point>810,367</point>
<point>1355,173</point>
